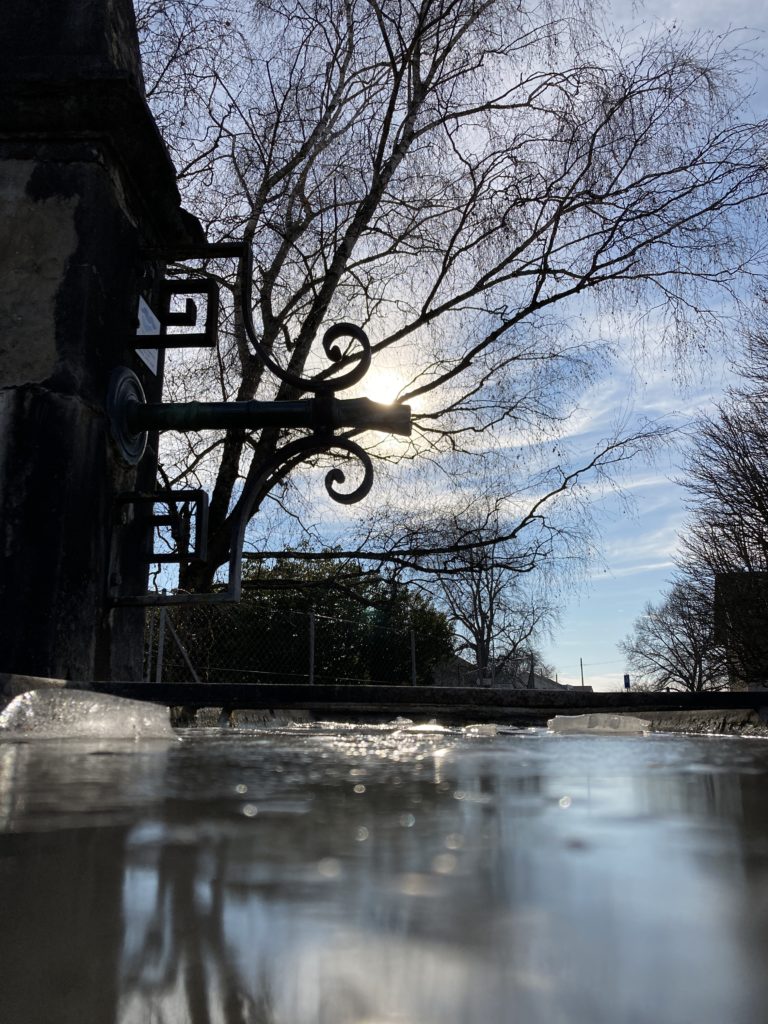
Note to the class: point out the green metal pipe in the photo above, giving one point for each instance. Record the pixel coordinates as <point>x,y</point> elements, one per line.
<point>322,414</point>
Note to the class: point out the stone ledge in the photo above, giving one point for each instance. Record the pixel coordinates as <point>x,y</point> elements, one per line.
<point>107,112</point>
<point>328,696</point>
<point>255,703</point>
<point>723,722</point>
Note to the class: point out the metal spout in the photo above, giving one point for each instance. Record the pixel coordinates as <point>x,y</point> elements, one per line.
<point>323,414</point>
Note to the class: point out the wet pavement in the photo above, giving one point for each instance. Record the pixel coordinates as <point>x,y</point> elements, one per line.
<point>327,874</point>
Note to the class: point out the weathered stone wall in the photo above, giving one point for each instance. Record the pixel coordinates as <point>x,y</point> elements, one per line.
<point>87,36</point>
<point>86,187</point>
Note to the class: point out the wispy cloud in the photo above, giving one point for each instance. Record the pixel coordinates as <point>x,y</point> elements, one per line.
<point>640,567</point>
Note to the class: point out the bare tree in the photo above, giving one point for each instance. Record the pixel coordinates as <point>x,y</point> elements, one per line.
<point>500,619</point>
<point>452,175</point>
<point>725,543</point>
<point>493,590</point>
<point>726,471</point>
<point>672,644</point>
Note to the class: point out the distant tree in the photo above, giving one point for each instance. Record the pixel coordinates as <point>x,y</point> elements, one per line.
<point>491,597</point>
<point>724,546</point>
<point>727,484</point>
<point>672,644</point>
<point>363,625</point>
<point>530,662</point>
<point>368,615</point>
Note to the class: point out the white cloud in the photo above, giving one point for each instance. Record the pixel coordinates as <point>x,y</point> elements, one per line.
<point>641,567</point>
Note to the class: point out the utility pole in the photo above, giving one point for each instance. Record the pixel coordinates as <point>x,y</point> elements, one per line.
<point>581,666</point>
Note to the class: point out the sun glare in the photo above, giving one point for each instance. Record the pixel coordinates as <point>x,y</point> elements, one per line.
<point>382,385</point>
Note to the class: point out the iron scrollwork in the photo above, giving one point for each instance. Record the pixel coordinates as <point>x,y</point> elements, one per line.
<point>322,415</point>
<point>304,448</point>
<point>188,317</point>
<point>315,385</point>
<point>323,440</point>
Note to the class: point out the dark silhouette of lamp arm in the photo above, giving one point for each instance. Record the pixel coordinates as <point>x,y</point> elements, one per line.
<point>322,415</point>
<point>131,418</point>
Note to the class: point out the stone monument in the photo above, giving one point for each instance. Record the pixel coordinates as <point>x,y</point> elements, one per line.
<point>86,191</point>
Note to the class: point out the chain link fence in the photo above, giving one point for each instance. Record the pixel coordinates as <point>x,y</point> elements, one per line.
<point>239,644</point>
<point>243,643</point>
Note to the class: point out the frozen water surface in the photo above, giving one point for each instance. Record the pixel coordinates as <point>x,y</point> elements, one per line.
<point>326,874</point>
<point>67,714</point>
<point>598,723</point>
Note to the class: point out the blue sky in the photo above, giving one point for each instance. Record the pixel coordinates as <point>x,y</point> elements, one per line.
<point>638,542</point>
<point>637,528</point>
<point>638,536</point>
<point>637,531</point>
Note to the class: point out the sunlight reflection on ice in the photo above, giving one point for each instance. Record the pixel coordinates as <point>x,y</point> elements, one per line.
<point>353,875</point>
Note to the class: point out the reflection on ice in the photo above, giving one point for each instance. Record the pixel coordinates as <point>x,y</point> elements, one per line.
<point>347,875</point>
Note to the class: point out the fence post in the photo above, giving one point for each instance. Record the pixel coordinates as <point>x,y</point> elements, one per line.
<point>182,648</point>
<point>160,646</point>
<point>413,656</point>
<point>311,647</point>
<point>150,644</point>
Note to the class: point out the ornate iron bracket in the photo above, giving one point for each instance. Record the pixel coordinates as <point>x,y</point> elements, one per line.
<point>131,418</point>
<point>208,337</point>
<point>186,516</point>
